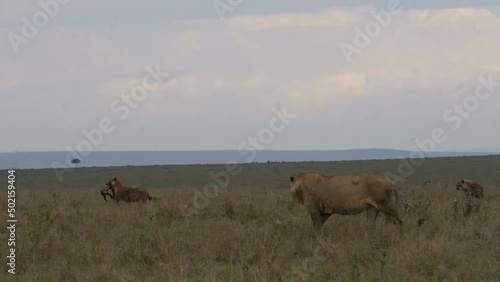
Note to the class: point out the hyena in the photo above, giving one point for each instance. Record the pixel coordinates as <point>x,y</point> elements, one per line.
<point>118,192</point>
<point>473,192</point>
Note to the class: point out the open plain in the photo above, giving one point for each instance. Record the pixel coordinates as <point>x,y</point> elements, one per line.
<point>251,230</point>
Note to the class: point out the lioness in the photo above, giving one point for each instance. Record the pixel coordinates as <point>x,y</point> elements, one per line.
<point>346,195</point>
<point>117,191</point>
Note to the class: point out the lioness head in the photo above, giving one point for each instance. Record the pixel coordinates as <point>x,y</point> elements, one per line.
<point>297,176</point>
<point>296,188</point>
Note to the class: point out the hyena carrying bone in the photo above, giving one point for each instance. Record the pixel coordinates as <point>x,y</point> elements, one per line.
<point>118,192</point>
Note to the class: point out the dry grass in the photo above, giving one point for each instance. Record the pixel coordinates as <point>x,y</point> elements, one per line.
<point>246,235</point>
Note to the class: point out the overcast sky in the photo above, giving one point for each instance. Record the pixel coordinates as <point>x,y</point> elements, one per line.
<point>230,63</point>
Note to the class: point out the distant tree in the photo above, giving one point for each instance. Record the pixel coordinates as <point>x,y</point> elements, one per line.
<point>75,162</point>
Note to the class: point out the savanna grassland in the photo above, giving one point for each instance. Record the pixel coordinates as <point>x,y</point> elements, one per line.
<point>250,230</point>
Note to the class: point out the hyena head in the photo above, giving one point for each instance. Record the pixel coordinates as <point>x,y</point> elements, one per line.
<point>463,184</point>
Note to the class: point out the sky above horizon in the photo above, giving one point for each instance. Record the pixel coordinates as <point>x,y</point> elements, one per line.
<point>240,74</point>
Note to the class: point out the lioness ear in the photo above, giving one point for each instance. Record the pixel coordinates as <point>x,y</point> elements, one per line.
<point>292,178</point>
<point>115,178</point>
<point>463,181</point>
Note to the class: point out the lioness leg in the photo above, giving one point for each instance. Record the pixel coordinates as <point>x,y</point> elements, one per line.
<point>371,216</point>
<point>318,218</point>
<point>392,215</point>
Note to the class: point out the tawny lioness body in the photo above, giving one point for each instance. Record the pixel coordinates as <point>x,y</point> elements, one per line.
<point>324,196</point>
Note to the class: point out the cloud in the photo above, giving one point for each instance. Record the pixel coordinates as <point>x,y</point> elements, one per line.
<point>10,84</point>
<point>231,73</point>
<point>256,80</point>
<point>330,17</point>
<point>188,42</point>
<point>457,15</point>
<point>316,94</point>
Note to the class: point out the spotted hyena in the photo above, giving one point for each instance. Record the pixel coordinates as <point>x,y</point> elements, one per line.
<point>473,193</point>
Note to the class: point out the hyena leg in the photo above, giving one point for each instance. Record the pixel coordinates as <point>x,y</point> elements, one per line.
<point>468,205</point>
